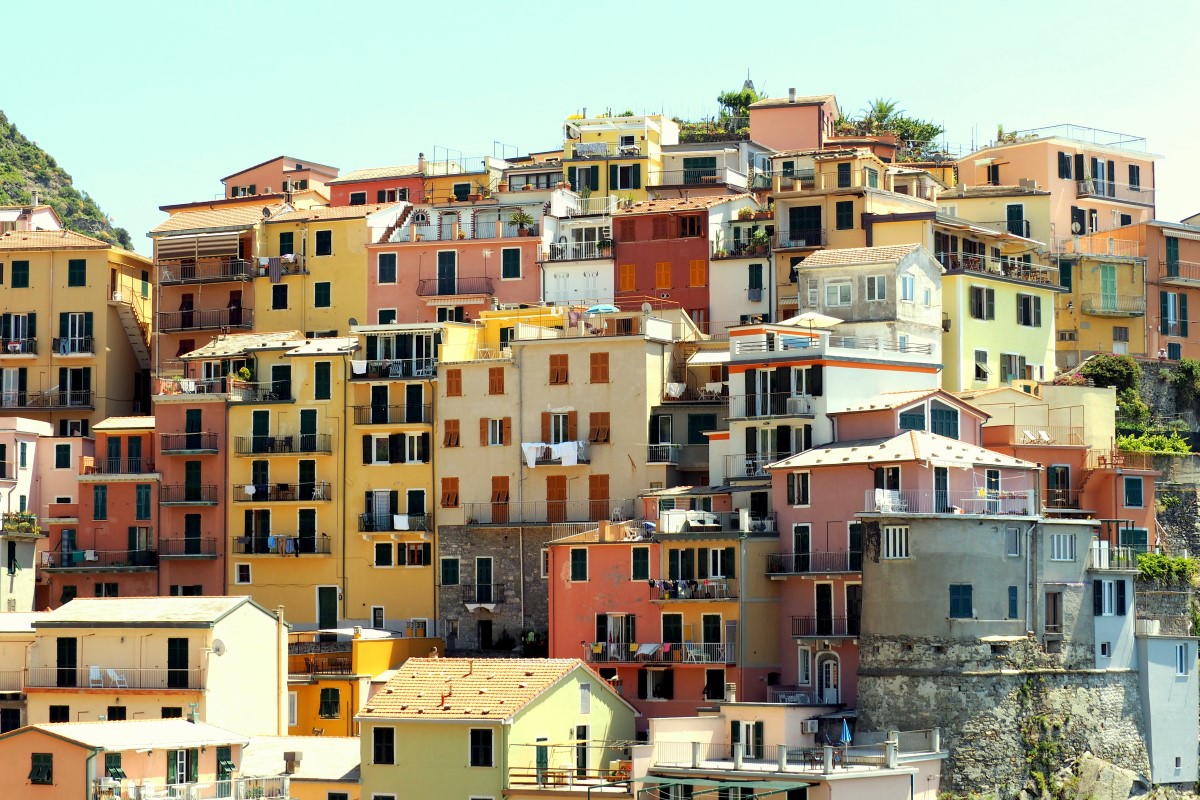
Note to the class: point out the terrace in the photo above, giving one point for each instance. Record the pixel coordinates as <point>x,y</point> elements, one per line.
<point>982,502</point>
<point>662,652</point>
<point>1121,192</point>
<point>205,319</point>
<point>206,271</point>
<point>282,492</point>
<point>814,563</point>
<point>541,512</point>
<point>405,414</point>
<point>99,560</point>
<point>267,445</point>
<point>282,544</point>
<point>106,677</point>
<point>178,444</point>
<point>187,547</point>
<point>1002,267</point>
<point>1180,273</point>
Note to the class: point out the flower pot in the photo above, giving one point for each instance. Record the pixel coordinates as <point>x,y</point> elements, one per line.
<point>523,232</point>
<point>526,188</point>
<point>502,187</point>
<point>474,198</point>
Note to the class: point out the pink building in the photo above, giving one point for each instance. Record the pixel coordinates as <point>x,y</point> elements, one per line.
<point>794,122</point>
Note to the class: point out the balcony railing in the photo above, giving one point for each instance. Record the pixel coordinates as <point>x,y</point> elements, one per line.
<point>663,453</point>
<point>25,346</point>
<point>1097,244</point>
<point>410,414</point>
<point>562,453</point>
<point>1181,272</point>
<point>206,271</point>
<point>182,494</point>
<point>273,788</point>
<point>90,465</point>
<point>1122,192</point>
<point>679,520</point>
<point>1119,459</point>
<point>264,392</point>
<point>604,150</point>
<point>1113,305</point>
<point>1061,499</point>
<point>73,345</point>
<point>105,677</point>
<point>1021,502</point>
<point>750,465</point>
<point>8,471</point>
<point>1003,267</point>
<point>547,511</point>
<point>282,544</point>
<point>12,680</point>
<point>700,589</point>
<point>187,443</point>
<point>432,287</point>
<point>328,665</point>
<point>1103,556</point>
<point>187,547</point>
<point>663,652</point>
<point>392,368</point>
<point>204,319</point>
<point>596,205</point>
<point>774,404</point>
<point>693,390</point>
<point>482,593</point>
<point>806,563</point>
<point>282,492</point>
<point>79,560</point>
<point>1045,435</point>
<point>265,445</point>
<point>826,626</point>
<point>368,523</point>
<point>798,239</point>
<point>699,176</point>
<point>48,401</point>
<point>575,251</point>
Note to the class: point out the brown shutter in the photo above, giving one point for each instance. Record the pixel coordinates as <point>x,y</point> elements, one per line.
<point>572,426</point>
<point>483,431</point>
<point>545,426</point>
<point>506,431</point>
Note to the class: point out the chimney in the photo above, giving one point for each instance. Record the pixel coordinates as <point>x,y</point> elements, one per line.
<point>792,95</point>
<point>357,631</point>
<point>731,688</point>
<point>421,163</point>
<point>291,760</point>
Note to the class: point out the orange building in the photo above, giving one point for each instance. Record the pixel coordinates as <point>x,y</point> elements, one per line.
<point>1172,253</point>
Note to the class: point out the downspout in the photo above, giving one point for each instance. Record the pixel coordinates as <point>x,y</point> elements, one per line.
<point>1029,600</point>
<point>435,541</point>
<point>345,446</point>
<point>521,474</point>
<point>281,671</point>
<point>89,772</point>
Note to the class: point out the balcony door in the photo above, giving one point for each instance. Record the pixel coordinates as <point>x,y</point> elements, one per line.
<point>260,431</point>
<point>1058,486</point>
<point>447,273</point>
<point>414,402</point>
<point>828,686</point>
<point>824,608</point>
<point>483,580</point>
<point>67,661</point>
<point>191,427</point>
<point>12,391</point>
<point>192,485</point>
<point>556,498</point>
<point>177,662</point>
<point>306,530</point>
<point>1108,287</point>
<point>801,545</point>
<point>191,534</point>
<point>379,405</point>
<point>941,489</point>
<point>327,610</point>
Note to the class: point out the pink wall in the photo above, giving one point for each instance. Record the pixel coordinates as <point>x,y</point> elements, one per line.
<point>791,127</point>
<point>635,245</point>
<point>339,193</point>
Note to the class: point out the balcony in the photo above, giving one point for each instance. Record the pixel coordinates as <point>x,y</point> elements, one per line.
<point>1061,499</point>
<point>182,444</point>
<point>205,319</point>
<point>1120,192</point>
<point>207,271</point>
<point>1045,435</point>
<point>584,150</point>
<point>663,652</point>
<point>1180,273</point>
<point>1097,244</point>
<point>1112,305</point>
<point>1119,460</point>
<point>750,465</point>
<point>12,680</point>
<point>755,346</point>
<point>104,677</point>
<point>576,251</point>
<point>8,471</point>
<point>699,589</point>
<point>663,453</point>
<point>775,404</point>
<point>73,345</point>
<point>271,788</point>
<point>702,176</point>
<point>1003,267</point>
<point>282,492</point>
<point>264,392</point>
<point>810,627</point>
<point>482,593</point>
<point>408,414</point>
<point>26,346</point>
<point>1021,503</point>
<point>800,239</point>
<point>813,563</point>
<point>692,390</point>
<point>25,523</point>
<point>93,560</point>
<point>392,368</point>
<point>679,520</point>
<point>182,494</point>
<point>435,287</point>
<point>328,665</point>
<point>594,206</point>
<point>281,544</point>
<point>90,465</point>
<point>740,248</point>
<point>541,512</point>
<point>49,401</point>
<point>1103,556</point>
<point>563,454</point>
<point>268,445</point>
<point>389,523</point>
<point>187,547</point>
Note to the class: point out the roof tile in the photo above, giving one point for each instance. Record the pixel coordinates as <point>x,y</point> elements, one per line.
<point>859,255</point>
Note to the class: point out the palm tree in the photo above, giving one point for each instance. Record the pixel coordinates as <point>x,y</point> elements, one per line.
<point>878,114</point>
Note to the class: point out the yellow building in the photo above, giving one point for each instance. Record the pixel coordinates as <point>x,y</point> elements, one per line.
<point>75,329</point>
<point>516,726</point>
<point>1020,210</point>
<point>318,767</point>
<point>458,179</point>
<point>1102,308</point>
<point>616,156</point>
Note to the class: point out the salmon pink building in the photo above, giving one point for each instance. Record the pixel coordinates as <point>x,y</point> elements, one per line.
<point>378,185</point>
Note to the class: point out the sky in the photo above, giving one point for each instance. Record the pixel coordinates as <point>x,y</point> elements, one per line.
<point>151,103</point>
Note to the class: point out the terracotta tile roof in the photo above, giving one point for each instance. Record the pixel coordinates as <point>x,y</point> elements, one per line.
<point>328,213</point>
<point>907,446</point>
<point>50,240</point>
<point>810,100</point>
<point>374,173</point>
<point>679,204</point>
<point>125,424</point>
<point>988,190</point>
<point>240,216</point>
<point>464,688</point>
<point>885,400</point>
<point>859,255</point>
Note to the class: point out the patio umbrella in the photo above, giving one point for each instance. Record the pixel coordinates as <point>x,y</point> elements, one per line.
<point>603,308</point>
<point>845,732</point>
<point>811,319</point>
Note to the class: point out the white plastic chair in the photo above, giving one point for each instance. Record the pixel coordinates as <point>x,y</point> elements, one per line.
<point>95,677</point>
<point>117,679</point>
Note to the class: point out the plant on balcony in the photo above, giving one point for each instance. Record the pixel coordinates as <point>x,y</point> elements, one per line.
<point>605,246</point>
<point>522,220</point>
<point>246,374</point>
<point>745,213</point>
<point>759,242</point>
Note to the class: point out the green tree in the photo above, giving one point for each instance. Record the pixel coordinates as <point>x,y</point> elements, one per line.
<point>917,137</point>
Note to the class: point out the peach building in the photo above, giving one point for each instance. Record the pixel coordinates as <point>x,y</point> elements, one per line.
<point>280,174</point>
<point>794,122</point>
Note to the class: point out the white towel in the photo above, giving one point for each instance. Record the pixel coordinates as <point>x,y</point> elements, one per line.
<point>676,389</point>
<point>569,453</point>
<point>399,522</point>
<point>358,367</point>
<point>531,450</point>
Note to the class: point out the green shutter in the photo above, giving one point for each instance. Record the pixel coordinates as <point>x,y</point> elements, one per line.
<point>635,177</point>
<point>594,178</point>
<point>614,173</point>
<point>1163,301</point>
<point>172,774</point>
<point>321,295</point>
<point>571,173</point>
<point>510,262</point>
<point>1183,317</point>
<point>322,380</point>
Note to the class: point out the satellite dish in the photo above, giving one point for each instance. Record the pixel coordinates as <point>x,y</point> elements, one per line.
<point>647,308</point>
<point>218,647</point>
<point>353,321</point>
<point>1076,227</point>
<point>266,212</point>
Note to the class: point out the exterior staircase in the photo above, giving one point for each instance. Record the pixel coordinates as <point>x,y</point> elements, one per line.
<point>395,226</point>
<point>137,331</point>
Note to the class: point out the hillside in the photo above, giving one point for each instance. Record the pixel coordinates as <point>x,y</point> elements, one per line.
<point>25,168</point>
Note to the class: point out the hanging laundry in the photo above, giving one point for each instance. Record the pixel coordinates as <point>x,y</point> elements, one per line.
<point>275,269</point>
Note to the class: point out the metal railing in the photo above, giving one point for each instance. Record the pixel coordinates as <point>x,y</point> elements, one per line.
<point>1045,434</point>
<point>1004,267</point>
<point>789,694</point>
<point>603,150</point>
<point>693,390</point>
<point>663,453</point>
<point>411,413</point>
<point>740,248</point>
<point>699,589</point>
<point>175,443</point>
<point>73,345</point>
<point>1119,459</point>
<point>1022,502</point>
<point>679,520</point>
<point>1181,271</point>
<point>205,271</point>
<point>327,665</point>
<point>374,523</point>
<point>274,788</point>
<point>263,392</point>
<point>826,626</point>
<point>1097,244</point>
<point>663,652</point>
<point>265,445</point>
<point>698,176</point>
<point>91,465</point>
<point>1124,192</point>
<point>202,319</point>
<point>1115,305</point>
<point>772,404</point>
<point>103,676</point>
<point>24,346</point>
<point>751,465</point>
<point>48,400</point>
<point>576,251</point>
<point>548,511</point>
<point>550,454</point>
<point>430,287</point>
<point>1061,498</point>
<point>282,544</point>
<point>187,546</point>
<point>8,471</point>
<point>1103,556</point>
<point>595,205</point>
<point>793,239</point>
<point>804,563</point>
<point>482,592</point>
<point>99,559</point>
<point>380,369</point>
<point>12,680</point>
<point>182,494</point>
<point>282,492</point>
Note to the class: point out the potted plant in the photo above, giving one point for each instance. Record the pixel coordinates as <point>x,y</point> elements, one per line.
<point>522,220</point>
<point>605,246</point>
<point>759,242</point>
<point>745,213</point>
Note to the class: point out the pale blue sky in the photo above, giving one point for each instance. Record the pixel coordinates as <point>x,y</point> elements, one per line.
<point>152,103</point>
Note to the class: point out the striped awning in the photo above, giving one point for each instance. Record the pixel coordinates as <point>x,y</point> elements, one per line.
<point>200,245</point>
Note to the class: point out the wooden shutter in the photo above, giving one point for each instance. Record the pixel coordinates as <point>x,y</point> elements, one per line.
<point>483,431</point>
<point>1119,600</point>
<point>1183,314</point>
<point>702,558</point>
<point>368,450</point>
<point>759,729</point>
<point>397,451</point>
<point>1097,598</point>
<point>668,684</point>
<point>601,628</point>
<point>572,426</point>
<point>453,382</point>
<point>614,177</point>
<point>599,368</point>
<point>635,177</point>
<point>506,431</point>
<point>628,278</point>
<point>816,380</point>
<point>641,692</point>
<point>1163,303</point>
<point>730,558</point>
<point>571,177</point>
<point>449,493</point>
<point>423,448</point>
<point>450,433</point>
<point>545,426</point>
<point>696,276</point>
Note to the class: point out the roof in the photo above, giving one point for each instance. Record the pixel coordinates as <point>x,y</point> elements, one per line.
<point>50,240</point>
<point>19,621</point>
<point>325,345</point>
<point>307,165</point>
<point>139,734</point>
<point>859,255</point>
<point>951,221</point>
<point>907,446</point>
<point>892,400</point>
<point>809,100</point>
<point>239,216</point>
<point>124,424</point>
<point>325,758</point>
<point>826,154</point>
<point>465,688</point>
<point>679,204</point>
<point>330,213</point>
<point>162,612</point>
<point>237,343</point>
<point>376,173</point>
<point>987,190</point>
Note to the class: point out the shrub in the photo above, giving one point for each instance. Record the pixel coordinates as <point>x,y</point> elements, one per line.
<point>1121,372</point>
<point>1164,569</point>
<point>1171,443</point>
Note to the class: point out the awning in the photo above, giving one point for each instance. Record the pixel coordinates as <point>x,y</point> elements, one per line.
<point>201,245</point>
<point>702,357</point>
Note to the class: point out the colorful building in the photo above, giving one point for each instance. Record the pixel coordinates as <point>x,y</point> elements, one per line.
<point>379,185</point>
<point>792,122</point>
<point>1102,308</point>
<point>16,636</point>
<point>282,174</point>
<point>25,455</point>
<point>1172,253</point>
<point>616,156</point>
<point>317,767</point>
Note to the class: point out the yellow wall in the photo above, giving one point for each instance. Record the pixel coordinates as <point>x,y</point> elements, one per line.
<point>994,210</point>
<point>1094,331</point>
<point>345,269</point>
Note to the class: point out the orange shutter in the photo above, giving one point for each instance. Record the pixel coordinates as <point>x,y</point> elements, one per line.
<point>545,426</point>
<point>599,368</point>
<point>449,492</point>
<point>662,275</point>
<point>483,431</point>
<point>506,431</point>
<point>572,426</point>
<point>454,383</point>
<point>598,497</point>
<point>450,433</point>
<point>628,278</point>
<point>696,276</point>
<point>496,380</point>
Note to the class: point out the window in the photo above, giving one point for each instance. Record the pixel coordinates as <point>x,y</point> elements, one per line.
<point>844,213</point>
<point>99,502</point>
<point>913,419</point>
<point>1120,333</point>
<point>1062,547</point>
<point>510,263</point>
<point>142,501</point>
<point>449,492</point>
<point>714,684</point>
<point>112,765</point>
<point>599,367</point>
<point>579,564</point>
<point>1182,662</point>
<point>1014,610</point>
<point>20,275</point>
<point>697,274</point>
<point>1135,177</point>
<point>656,684</point>
<point>293,709</point>
<point>417,554</point>
<point>993,174</point>
<point>450,571</point>
<point>386,268</point>
<point>1064,165</point>
<point>495,432</point>
<point>171,712</point>
<point>1029,310</point>
<point>662,275</point>
<point>640,563</point>
<point>279,296</point>
<point>1133,492</point>
<point>77,272</point>
<point>625,177</point>
<point>908,288</point>
<point>106,589</point>
<point>62,456</point>
<point>331,703</point>
<point>321,295</point>
<point>961,605</point>
<point>843,175</point>
<point>798,488</point>
<point>1012,541</point>
<point>697,424</point>
<point>60,713</point>
<point>383,554</point>
<point>321,381</point>
<point>41,769</point>
<point>287,244</point>
<point>876,287</point>
<point>23,459</point>
<point>545,562</point>
<point>558,369</point>
<point>242,573</point>
<point>454,382</point>
<point>450,433</point>
<point>598,425</point>
<point>1106,597</point>
<point>895,541</point>
<point>324,243</point>
<point>481,747</point>
<point>689,226</point>
<point>358,198</point>
<point>495,380</point>
<point>386,316</point>
<point>983,303</point>
<point>585,698</point>
<point>383,745</point>
<point>838,293</point>
<point>627,278</point>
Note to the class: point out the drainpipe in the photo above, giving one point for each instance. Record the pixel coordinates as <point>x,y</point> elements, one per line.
<point>89,772</point>
<point>281,672</point>
<point>434,540</point>
<point>1029,600</point>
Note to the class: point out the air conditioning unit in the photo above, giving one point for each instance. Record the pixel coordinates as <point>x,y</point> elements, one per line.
<point>812,725</point>
<point>117,296</point>
<point>90,555</point>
